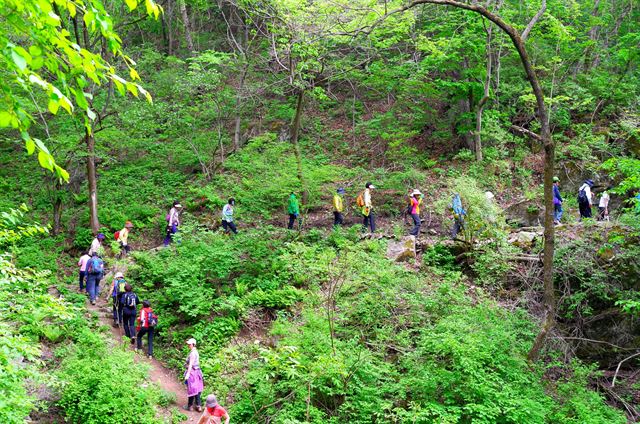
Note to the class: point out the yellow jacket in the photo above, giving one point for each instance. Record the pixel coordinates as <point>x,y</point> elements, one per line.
<point>338,203</point>
<point>124,236</point>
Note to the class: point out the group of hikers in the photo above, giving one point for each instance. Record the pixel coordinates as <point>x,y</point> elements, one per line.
<point>586,200</point>
<point>136,324</point>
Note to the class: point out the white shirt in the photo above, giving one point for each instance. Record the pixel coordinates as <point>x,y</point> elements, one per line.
<point>95,246</point>
<point>604,200</point>
<point>367,197</point>
<point>173,216</point>
<point>587,191</point>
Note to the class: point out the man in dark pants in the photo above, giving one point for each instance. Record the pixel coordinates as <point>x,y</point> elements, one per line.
<point>293,209</point>
<point>145,327</point>
<point>369,219</point>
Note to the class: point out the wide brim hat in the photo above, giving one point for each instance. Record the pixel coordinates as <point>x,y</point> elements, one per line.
<point>416,191</point>
<point>341,191</point>
<point>589,183</point>
<point>119,275</point>
<point>128,224</point>
<point>100,236</point>
<point>192,341</point>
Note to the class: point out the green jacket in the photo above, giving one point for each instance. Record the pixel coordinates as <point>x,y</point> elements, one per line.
<point>294,206</point>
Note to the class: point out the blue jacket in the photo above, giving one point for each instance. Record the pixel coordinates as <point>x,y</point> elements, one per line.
<point>556,193</point>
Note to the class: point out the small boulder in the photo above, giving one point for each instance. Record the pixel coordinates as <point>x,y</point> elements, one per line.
<point>402,250</point>
<point>523,239</point>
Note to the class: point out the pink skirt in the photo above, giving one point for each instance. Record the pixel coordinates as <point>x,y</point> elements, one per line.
<point>195,384</point>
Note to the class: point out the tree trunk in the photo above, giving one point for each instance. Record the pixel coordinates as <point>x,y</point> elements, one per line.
<point>185,21</point>
<point>92,182</point>
<point>295,130</point>
<point>484,99</point>
<point>57,208</point>
<point>549,156</point>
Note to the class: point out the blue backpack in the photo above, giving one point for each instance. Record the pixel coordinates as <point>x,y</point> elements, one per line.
<point>96,266</point>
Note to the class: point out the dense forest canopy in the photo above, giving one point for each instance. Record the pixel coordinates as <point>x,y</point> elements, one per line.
<point>511,306</point>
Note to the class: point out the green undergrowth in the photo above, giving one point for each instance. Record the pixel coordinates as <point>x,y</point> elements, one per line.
<point>55,359</point>
<point>323,328</point>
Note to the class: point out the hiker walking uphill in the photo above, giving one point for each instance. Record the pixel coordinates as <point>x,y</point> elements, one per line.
<point>95,270</point>
<point>213,412</point>
<point>364,201</point>
<point>129,302</point>
<point>96,245</point>
<point>122,237</point>
<point>147,322</point>
<point>82,274</point>
<point>338,207</point>
<point>585,199</point>
<point>193,377</point>
<point>293,209</point>
<point>458,215</point>
<point>117,290</point>
<point>557,201</point>
<point>416,201</point>
<point>173,222</point>
<point>603,205</point>
<point>227,217</point>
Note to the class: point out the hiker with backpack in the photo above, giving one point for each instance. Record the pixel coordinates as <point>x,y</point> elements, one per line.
<point>585,199</point>
<point>95,271</point>
<point>338,207</point>
<point>557,201</point>
<point>96,245</point>
<point>458,215</point>
<point>122,237</point>
<point>193,377</point>
<point>82,263</point>
<point>173,222</point>
<point>117,290</point>
<point>227,217</point>
<point>293,209</point>
<point>416,201</point>
<point>129,303</point>
<point>603,205</point>
<point>147,322</point>
<point>364,202</point>
<point>213,412</point>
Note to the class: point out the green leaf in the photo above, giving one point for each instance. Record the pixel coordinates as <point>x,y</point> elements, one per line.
<point>46,160</point>
<point>19,61</point>
<point>53,106</point>
<point>132,4</point>
<point>5,119</point>
<point>91,114</point>
<point>30,145</point>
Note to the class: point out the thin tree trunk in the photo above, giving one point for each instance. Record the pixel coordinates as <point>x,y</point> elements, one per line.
<point>549,156</point>
<point>485,97</point>
<point>92,182</point>
<point>185,22</point>
<point>295,130</point>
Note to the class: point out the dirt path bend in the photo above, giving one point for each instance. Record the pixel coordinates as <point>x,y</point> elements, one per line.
<point>158,374</point>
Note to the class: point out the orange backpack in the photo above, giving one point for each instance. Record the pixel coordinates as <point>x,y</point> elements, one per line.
<point>360,200</point>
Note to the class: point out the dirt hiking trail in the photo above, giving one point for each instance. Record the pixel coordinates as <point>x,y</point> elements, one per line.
<point>162,376</point>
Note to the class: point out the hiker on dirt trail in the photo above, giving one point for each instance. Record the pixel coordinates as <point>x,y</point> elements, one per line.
<point>364,201</point>
<point>293,209</point>
<point>193,377</point>
<point>82,263</point>
<point>213,412</point>
<point>585,199</point>
<point>147,321</point>
<point>96,244</point>
<point>173,222</point>
<point>227,217</point>
<point>557,201</point>
<point>338,207</point>
<point>416,201</point>
<point>95,272</point>
<point>603,205</point>
<point>458,215</point>
<point>130,302</point>
<point>117,290</point>
<point>122,237</point>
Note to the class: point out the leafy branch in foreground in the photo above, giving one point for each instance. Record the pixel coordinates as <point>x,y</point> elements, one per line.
<point>40,47</point>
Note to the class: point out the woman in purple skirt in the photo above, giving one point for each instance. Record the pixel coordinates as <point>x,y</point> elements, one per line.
<point>193,377</point>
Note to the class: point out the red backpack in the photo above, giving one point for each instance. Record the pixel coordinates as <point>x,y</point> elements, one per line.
<point>116,235</point>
